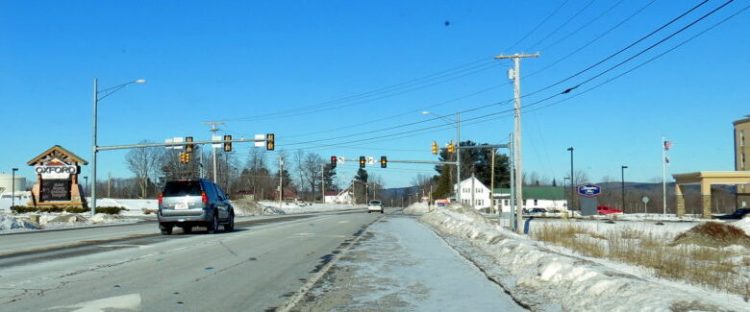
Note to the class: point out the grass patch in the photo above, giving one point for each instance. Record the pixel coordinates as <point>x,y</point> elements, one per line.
<point>681,259</point>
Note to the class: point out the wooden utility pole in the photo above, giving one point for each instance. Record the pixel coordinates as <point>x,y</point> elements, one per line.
<point>515,75</point>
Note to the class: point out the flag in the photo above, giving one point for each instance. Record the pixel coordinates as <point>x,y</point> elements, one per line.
<point>667,145</point>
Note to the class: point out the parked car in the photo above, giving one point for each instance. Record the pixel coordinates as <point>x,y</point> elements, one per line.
<point>375,205</point>
<point>605,210</point>
<point>736,215</point>
<point>194,203</point>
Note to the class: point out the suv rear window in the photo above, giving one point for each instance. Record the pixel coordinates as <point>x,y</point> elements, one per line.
<point>182,188</point>
<point>374,202</point>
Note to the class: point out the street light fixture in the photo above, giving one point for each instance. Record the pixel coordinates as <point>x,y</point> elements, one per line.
<point>13,187</point>
<point>458,149</point>
<point>622,181</point>
<point>572,181</point>
<point>98,96</point>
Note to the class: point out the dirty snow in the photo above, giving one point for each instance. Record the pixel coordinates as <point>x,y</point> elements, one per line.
<point>547,279</point>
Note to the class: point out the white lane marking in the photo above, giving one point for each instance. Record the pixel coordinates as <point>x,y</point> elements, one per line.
<point>127,302</point>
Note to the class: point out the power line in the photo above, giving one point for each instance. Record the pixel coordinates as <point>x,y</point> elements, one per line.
<point>533,46</point>
<point>620,51</point>
<point>554,12</point>
<point>557,61</point>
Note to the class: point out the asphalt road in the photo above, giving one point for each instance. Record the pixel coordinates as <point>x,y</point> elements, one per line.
<point>267,264</point>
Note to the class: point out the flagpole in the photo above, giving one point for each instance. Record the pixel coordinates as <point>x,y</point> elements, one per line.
<point>664,173</point>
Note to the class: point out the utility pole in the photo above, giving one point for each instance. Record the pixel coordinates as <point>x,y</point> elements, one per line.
<point>458,158</point>
<point>516,76</point>
<point>323,182</point>
<point>492,181</point>
<point>214,127</point>
<point>281,180</point>
<point>109,184</point>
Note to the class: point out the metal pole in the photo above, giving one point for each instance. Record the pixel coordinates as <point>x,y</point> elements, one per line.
<point>93,148</point>
<point>512,169</point>
<point>622,181</point>
<point>663,175</point>
<point>572,183</point>
<point>13,187</point>
<point>458,157</point>
<point>281,180</point>
<point>323,182</point>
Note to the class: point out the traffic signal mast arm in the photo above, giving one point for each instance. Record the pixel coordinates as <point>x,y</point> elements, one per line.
<point>146,145</point>
<point>432,162</point>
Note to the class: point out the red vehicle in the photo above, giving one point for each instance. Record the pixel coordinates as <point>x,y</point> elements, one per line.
<point>605,210</point>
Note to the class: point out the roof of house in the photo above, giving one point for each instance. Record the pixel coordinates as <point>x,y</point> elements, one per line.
<point>57,151</point>
<point>537,192</point>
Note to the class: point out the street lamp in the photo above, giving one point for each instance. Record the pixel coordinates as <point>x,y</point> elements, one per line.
<point>13,187</point>
<point>458,149</point>
<point>622,181</point>
<point>98,96</point>
<point>572,180</point>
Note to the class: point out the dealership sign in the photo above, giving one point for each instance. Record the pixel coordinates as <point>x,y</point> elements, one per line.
<point>589,190</point>
<point>57,171</point>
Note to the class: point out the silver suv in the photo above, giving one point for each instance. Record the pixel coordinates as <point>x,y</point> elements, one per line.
<point>194,203</point>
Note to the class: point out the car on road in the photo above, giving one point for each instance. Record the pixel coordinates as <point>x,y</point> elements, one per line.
<point>605,210</point>
<point>192,203</point>
<point>375,205</point>
<point>736,215</point>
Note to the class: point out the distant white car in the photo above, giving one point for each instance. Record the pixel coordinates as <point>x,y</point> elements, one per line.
<point>375,205</point>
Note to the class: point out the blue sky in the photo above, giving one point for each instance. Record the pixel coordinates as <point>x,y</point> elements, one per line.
<point>242,62</point>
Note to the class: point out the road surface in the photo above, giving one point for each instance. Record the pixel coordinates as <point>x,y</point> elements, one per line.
<point>276,264</point>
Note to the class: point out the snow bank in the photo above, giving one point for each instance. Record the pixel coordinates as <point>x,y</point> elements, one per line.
<point>743,224</point>
<point>301,207</point>
<point>417,209</point>
<point>548,280</point>
<point>10,223</point>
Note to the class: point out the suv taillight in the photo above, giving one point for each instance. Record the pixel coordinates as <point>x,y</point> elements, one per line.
<point>161,199</point>
<point>204,198</point>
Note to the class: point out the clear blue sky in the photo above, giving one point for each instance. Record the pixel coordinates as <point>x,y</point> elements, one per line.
<point>239,61</point>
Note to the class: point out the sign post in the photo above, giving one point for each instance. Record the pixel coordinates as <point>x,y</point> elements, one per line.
<point>645,203</point>
<point>588,194</point>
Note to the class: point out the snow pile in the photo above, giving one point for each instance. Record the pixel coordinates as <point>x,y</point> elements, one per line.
<point>548,280</point>
<point>13,223</point>
<point>417,209</point>
<point>743,224</point>
<point>302,207</point>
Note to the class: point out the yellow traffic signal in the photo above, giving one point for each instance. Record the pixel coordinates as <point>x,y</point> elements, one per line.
<point>451,148</point>
<point>270,142</point>
<point>227,145</point>
<point>362,162</point>
<point>434,148</point>
<point>182,157</point>
<point>383,162</point>
<point>187,157</point>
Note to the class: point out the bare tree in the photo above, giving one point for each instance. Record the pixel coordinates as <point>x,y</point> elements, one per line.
<point>143,163</point>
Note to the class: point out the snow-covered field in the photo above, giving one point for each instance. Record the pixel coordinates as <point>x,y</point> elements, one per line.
<point>552,278</point>
<point>292,208</point>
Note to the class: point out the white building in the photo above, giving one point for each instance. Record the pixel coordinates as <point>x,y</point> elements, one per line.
<point>549,198</point>
<point>474,193</point>
<point>343,197</point>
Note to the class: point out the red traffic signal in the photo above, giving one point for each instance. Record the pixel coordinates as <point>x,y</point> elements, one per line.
<point>333,161</point>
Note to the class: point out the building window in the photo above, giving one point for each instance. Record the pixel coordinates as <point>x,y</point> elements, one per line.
<point>536,202</point>
<point>505,202</point>
<point>742,138</point>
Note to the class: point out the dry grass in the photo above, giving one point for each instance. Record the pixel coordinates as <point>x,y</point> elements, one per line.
<point>695,264</point>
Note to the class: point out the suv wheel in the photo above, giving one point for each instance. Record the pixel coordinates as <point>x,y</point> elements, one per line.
<point>187,229</point>
<point>229,226</point>
<point>213,227</point>
<point>165,229</point>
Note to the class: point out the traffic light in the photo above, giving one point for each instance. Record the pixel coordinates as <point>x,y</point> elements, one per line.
<point>434,148</point>
<point>187,157</point>
<point>383,162</point>
<point>451,148</point>
<point>270,142</point>
<point>362,162</point>
<point>183,158</point>
<point>227,145</point>
<point>189,147</point>
<point>333,161</point>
